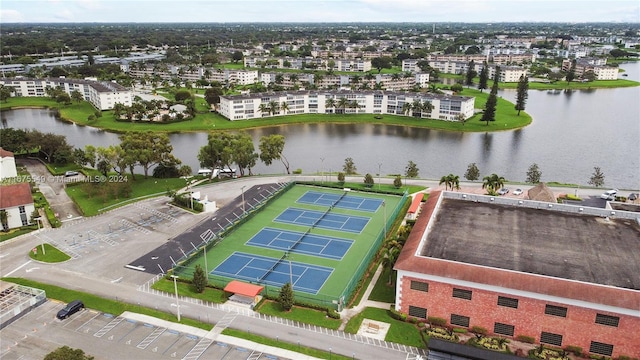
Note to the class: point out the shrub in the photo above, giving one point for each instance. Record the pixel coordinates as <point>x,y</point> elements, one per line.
<point>460,330</point>
<point>396,314</point>
<point>479,330</point>
<point>624,357</point>
<point>526,339</point>
<point>574,349</point>
<point>433,320</point>
<point>421,325</point>
<point>333,314</point>
<point>297,171</point>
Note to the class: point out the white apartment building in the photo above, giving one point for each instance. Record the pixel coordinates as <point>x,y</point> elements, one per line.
<point>251,106</point>
<point>507,73</point>
<point>101,94</point>
<point>596,65</point>
<point>343,64</point>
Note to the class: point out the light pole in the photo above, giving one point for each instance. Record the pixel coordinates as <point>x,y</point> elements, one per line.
<point>384,207</point>
<point>175,286</point>
<point>379,166</point>
<point>322,170</point>
<point>206,270</point>
<point>290,270</point>
<point>243,211</point>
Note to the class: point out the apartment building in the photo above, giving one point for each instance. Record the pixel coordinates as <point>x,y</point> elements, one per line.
<point>596,65</point>
<point>250,106</point>
<point>101,94</point>
<point>569,277</point>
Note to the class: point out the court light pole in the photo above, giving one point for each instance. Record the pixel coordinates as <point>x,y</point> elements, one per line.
<point>175,286</point>
<point>379,166</point>
<point>290,270</point>
<point>384,207</point>
<point>243,211</point>
<point>322,170</point>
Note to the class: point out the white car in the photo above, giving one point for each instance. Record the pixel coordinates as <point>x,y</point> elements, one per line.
<point>609,194</point>
<point>517,192</point>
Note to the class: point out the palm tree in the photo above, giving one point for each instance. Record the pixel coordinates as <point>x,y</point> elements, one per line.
<point>264,108</point>
<point>4,219</point>
<point>454,181</point>
<point>279,79</point>
<point>492,183</point>
<point>406,108</point>
<point>342,104</point>
<point>416,106</point>
<point>427,106</point>
<point>354,105</point>
<point>330,103</point>
<point>444,180</point>
<point>284,107</point>
<point>293,78</point>
<point>396,77</point>
<point>274,106</point>
<point>390,255</point>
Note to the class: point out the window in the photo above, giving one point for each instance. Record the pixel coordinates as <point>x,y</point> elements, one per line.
<point>507,302</point>
<point>462,294</point>
<point>607,320</point>
<point>551,338</point>
<point>459,320</point>
<point>417,312</point>
<point>555,310</point>
<point>420,286</point>
<point>503,329</point>
<point>601,348</point>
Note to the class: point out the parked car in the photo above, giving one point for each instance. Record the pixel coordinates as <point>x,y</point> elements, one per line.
<point>609,194</point>
<point>503,191</point>
<point>71,173</point>
<point>517,192</point>
<point>633,196</point>
<point>71,308</point>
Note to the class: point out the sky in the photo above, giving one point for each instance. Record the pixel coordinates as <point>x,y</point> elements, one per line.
<point>217,11</point>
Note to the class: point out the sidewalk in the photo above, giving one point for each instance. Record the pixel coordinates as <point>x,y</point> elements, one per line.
<point>347,314</point>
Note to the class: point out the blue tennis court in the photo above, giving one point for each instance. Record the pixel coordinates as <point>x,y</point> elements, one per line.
<point>265,270</point>
<point>340,201</point>
<point>303,243</point>
<point>349,223</point>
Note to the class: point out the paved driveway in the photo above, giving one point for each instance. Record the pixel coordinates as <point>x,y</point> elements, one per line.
<point>52,187</point>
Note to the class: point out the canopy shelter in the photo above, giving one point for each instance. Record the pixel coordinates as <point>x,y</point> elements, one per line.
<point>415,205</point>
<point>243,292</point>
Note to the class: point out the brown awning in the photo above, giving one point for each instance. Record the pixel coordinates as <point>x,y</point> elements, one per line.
<point>240,288</point>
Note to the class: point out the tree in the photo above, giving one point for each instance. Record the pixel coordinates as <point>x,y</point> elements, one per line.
<point>597,178</point>
<point>330,103</point>
<point>199,279</point>
<point>67,353</point>
<point>523,93</point>
<point>489,113</point>
<point>5,92</point>
<point>237,56</point>
<point>450,180</point>
<point>484,78</point>
<point>77,96</point>
<point>397,182</point>
<point>389,257</point>
<point>341,177</point>
<point>533,174</point>
<point>244,153</point>
<point>182,95</point>
<point>349,167</point>
<point>212,95</point>
<point>271,148</point>
<point>48,144</point>
<point>571,75</point>
<point>103,167</point>
<point>285,299</point>
<point>471,73</point>
<point>63,98</point>
<point>472,173</point>
<point>380,63</point>
<point>218,152</point>
<point>411,170</point>
<point>492,183</point>
<point>147,149</point>
<point>4,219</point>
<point>368,180</point>
<point>457,88</point>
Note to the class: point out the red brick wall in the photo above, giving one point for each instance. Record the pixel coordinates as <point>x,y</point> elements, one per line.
<point>577,329</point>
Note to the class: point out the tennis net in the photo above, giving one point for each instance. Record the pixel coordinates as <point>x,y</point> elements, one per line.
<point>270,270</point>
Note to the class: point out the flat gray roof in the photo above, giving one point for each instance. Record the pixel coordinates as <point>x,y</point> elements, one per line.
<point>569,246</point>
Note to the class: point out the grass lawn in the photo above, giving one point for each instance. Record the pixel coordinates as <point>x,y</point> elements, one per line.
<point>187,289</point>
<point>400,332</point>
<point>376,187</point>
<point>140,187</point>
<point>383,292</point>
<point>303,315</point>
<point>16,232</point>
<point>51,254</point>
<point>114,307</point>
<point>320,354</point>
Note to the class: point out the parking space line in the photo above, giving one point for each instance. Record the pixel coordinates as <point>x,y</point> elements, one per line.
<point>86,322</point>
<point>151,337</point>
<point>105,329</point>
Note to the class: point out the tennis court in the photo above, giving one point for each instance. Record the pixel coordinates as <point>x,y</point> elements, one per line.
<point>303,243</point>
<point>324,220</point>
<point>340,201</point>
<point>277,272</point>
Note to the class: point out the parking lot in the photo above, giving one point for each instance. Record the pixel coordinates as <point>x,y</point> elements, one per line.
<point>109,337</point>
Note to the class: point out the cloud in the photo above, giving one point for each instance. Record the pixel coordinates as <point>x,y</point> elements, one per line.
<point>8,15</point>
<point>64,15</point>
<point>90,4</point>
